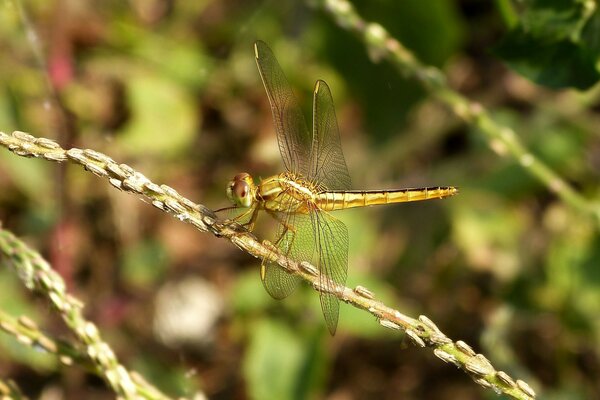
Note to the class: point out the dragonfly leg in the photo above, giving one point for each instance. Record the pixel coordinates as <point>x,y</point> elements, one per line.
<point>275,246</point>
<point>286,228</point>
<point>226,209</point>
<point>250,224</point>
<point>252,211</point>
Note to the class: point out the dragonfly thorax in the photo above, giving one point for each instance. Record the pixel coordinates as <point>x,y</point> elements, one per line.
<point>286,192</point>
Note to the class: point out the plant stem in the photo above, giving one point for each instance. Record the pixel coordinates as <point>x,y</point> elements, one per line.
<point>503,140</point>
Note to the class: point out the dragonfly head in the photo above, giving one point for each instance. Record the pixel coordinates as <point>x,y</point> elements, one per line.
<point>241,190</point>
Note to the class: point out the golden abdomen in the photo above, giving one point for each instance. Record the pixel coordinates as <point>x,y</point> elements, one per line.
<point>339,200</point>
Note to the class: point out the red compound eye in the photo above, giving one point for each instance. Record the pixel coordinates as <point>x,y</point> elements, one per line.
<point>240,189</point>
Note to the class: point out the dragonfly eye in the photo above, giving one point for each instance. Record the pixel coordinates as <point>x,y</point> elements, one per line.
<point>240,193</point>
<point>240,189</point>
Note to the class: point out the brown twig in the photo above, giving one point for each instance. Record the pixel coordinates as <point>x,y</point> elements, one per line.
<point>422,331</point>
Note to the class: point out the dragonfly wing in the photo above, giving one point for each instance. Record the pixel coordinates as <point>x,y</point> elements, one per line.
<point>327,163</point>
<point>331,239</point>
<point>293,135</point>
<point>295,239</point>
<point>277,282</point>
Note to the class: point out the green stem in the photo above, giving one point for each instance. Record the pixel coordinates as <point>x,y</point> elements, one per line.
<point>37,276</point>
<point>502,139</point>
<point>507,12</point>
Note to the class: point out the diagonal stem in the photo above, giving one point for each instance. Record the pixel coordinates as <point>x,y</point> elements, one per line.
<point>38,276</point>
<point>422,331</point>
<point>502,139</point>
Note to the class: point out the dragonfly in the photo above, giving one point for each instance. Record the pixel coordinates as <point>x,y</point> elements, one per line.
<point>315,183</point>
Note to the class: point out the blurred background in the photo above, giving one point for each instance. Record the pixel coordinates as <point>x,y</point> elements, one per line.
<point>172,89</point>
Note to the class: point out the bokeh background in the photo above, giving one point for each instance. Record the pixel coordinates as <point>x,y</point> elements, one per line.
<point>171,88</point>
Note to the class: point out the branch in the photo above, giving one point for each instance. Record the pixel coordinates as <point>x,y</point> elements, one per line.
<point>422,331</point>
<point>501,139</point>
<point>37,276</point>
<point>28,333</point>
<point>10,391</point>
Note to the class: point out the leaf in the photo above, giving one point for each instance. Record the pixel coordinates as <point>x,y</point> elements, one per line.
<point>163,117</point>
<point>273,362</point>
<point>386,96</point>
<point>488,229</point>
<point>558,19</point>
<point>15,302</point>
<point>144,264</point>
<point>250,296</point>
<point>555,44</point>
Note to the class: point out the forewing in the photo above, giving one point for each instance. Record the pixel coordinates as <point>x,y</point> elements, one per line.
<point>294,239</point>
<point>293,135</point>
<point>327,163</point>
<point>332,248</point>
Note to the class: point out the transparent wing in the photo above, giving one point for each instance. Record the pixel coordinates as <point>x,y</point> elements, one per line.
<point>295,239</point>
<point>331,239</point>
<point>327,163</point>
<point>293,135</point>
<point>316,237</point>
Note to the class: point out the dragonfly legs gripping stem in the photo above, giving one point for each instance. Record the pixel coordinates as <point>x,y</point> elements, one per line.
<point>286,228</point>
<point>248,225</point>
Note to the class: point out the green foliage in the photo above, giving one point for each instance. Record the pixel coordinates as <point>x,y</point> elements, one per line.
<point>14,302</point>
<point>279,365</point>
<point>555,43</point>
<point>163,120</point>
<point>489,233</point>
<point>175,93</point>
<point>372,81</point>
<point>171,380</point>
<point>250,297</point>
<point>144,264</point>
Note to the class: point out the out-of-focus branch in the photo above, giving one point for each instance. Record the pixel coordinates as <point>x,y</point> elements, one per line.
<point>422,331</point>
<point>10,391</point>
<point>502,139</point>
<point>28,333</point>
<point>37,276</point>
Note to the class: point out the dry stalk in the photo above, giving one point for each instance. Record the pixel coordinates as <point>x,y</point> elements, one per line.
<point>422,331</point>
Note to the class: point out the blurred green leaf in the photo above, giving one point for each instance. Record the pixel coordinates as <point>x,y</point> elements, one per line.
<point>572,260</point>
<point>181,60</point>
<point>144,263</point>
<point>557,19</point>
<point>33,177</point>
<point>489,230</point>
<point>163,120</point>
<point>278,362</point>
<point>555,43</point>
<point>384,94</point>
<point>14,302</point>
<point>172,379</point>
<point>249,294</point>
